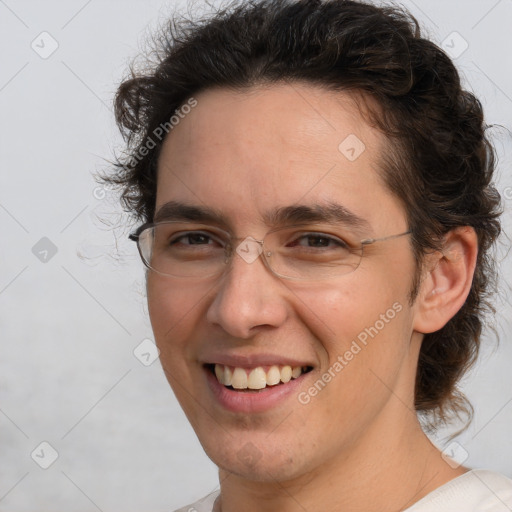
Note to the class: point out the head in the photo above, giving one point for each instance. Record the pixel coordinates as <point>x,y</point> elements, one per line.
<point>264,106</point>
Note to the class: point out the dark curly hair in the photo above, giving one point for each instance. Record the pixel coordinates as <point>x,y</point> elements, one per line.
<point>438,161</point>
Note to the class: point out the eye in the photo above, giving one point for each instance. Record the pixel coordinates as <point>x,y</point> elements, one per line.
<point>194,238</point>
<point>317,241</point>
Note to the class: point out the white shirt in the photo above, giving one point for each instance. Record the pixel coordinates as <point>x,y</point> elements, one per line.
<point>478,490</point>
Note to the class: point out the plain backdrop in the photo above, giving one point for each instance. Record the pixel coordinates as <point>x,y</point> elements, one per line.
<point>72,304</point>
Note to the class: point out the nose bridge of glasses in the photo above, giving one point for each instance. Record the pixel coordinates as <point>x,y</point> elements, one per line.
<point>249,248</point>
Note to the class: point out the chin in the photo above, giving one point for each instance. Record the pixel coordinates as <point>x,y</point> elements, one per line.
<point>253,457</point>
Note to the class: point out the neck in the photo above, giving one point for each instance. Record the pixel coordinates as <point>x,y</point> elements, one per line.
<point>389,468</point>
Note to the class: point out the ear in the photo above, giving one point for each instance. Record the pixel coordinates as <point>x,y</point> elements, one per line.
<point>446,280</point>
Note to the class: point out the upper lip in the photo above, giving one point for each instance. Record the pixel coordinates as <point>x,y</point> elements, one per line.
<point>254,360</point>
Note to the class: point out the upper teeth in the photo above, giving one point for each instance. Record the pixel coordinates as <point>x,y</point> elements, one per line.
<point>257,378</point>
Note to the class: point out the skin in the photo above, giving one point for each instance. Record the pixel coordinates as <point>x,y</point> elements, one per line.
<point>357,445</point>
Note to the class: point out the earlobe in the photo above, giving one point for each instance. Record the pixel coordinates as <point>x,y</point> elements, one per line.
<point>446,281</point>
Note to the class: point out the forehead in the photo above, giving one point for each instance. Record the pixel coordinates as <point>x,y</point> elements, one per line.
<point>247,152</point>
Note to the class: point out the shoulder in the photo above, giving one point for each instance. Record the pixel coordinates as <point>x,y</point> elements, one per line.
<point>203,505</point>
<point>478,490</point>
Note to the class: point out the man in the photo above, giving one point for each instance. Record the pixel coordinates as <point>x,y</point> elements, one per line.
<point>317,204</point>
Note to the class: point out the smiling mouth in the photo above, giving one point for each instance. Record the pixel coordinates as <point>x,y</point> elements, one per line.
<point>255,379</point>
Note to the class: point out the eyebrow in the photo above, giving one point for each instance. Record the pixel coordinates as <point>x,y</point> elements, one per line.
<point>277,217</point>
<point>175,210</point>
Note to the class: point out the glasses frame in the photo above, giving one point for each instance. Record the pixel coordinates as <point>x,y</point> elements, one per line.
<point>135,237</point>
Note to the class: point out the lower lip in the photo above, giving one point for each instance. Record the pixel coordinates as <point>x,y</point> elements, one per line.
<point>252,401</point>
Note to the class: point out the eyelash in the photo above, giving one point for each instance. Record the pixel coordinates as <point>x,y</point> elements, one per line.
<point>192,233</point>
<point>315,236</point>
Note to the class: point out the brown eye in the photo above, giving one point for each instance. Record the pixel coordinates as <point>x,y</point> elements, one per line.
<point>192,239</point>
<point>318,240</point>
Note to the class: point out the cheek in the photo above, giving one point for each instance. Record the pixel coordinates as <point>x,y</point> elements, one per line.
<point>339,313</point>
<point>173,310</point>
<point>175,313</point>
<point>363,328</point>
<point>362,332</point>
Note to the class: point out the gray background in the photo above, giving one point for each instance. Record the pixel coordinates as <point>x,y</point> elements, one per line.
<point>70,321</point>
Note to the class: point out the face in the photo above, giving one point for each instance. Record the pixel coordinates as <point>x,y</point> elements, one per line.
<point>244,154</point>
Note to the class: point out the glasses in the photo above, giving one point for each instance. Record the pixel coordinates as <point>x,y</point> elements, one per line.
<point>191,250</point>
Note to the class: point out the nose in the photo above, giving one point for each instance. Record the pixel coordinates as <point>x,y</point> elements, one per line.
<point>248,298</point>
